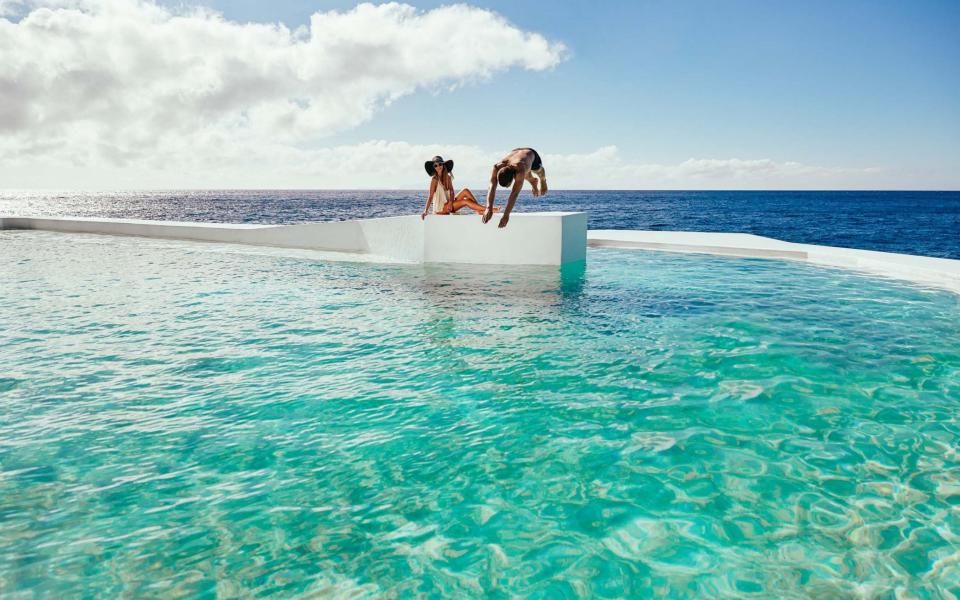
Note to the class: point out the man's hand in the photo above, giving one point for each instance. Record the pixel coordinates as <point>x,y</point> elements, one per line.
<point>503,221</point>
<point>487,214</point>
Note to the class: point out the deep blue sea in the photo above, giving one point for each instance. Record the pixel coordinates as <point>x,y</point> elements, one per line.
<point>926,223</point>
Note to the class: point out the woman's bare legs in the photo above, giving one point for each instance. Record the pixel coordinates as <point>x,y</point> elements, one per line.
<point>466,198</point>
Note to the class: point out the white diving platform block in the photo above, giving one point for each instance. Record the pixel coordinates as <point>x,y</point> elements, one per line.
<point>546,238</point>
<point>543,238</point>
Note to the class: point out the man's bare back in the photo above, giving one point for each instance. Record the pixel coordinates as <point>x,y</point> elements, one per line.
<point>520,157</point>
<point>519,165</point>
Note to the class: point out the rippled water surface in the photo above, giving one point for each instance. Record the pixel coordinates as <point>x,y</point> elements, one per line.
<point>192,419</point>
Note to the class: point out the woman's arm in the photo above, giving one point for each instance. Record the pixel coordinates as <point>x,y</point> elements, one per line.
<point>433,188</point>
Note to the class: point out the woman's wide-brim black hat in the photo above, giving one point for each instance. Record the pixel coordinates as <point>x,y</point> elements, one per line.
<point>428,166</point>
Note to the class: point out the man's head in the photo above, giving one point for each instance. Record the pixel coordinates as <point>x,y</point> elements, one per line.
<point>506,176</point>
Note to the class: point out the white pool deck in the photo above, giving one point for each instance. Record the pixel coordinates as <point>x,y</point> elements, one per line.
<point>546,238</point>
<point>924,270</point>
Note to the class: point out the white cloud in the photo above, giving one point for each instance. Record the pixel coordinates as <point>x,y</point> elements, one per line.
<point>127,81</point>
<point>397,164</point>
<point>128,94</point>
<point>392,164</point>
<point>605,168</point>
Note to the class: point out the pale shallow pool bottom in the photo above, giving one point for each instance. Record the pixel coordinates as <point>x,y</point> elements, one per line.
<point>183,419</point>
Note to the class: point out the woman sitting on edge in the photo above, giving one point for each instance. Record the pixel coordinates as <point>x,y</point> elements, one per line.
<point>441,190</point>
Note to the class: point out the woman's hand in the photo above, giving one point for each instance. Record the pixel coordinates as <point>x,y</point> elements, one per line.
<point>423,215</point>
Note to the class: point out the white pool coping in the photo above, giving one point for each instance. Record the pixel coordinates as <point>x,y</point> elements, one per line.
<point>542,238</point>
<point>943,273</point>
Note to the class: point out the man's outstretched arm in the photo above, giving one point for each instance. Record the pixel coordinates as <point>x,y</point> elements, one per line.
<point>491,193</point>
<point>517,186</point>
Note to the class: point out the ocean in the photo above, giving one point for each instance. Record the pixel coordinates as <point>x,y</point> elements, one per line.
<point>924,223</point>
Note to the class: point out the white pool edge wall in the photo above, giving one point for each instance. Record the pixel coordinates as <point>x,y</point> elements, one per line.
<point>943,273</point>
<point>552,238</point>
<point>544,238</point>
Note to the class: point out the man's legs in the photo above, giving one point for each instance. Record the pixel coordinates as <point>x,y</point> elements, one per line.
<point>534,184</point>
<point>543,180</point>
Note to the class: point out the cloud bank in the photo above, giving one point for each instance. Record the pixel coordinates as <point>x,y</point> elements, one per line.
<point>386,164</point>
<point>122,81</point>
<point>128,94</point>
<point>382,164</point>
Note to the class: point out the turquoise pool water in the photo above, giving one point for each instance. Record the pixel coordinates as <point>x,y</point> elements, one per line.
<point>198,420</point>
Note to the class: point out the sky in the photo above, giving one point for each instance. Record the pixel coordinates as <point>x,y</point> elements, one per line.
<point>686,94</point>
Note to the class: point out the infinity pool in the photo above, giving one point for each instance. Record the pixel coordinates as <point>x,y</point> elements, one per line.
<point>191,419</point>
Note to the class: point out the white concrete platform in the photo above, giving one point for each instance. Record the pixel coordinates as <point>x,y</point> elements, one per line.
<point>542,238</point>
<point>936,272</point>
<point>551,238</point>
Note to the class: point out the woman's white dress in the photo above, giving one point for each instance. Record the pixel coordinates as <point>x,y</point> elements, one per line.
<point>440,196</point>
